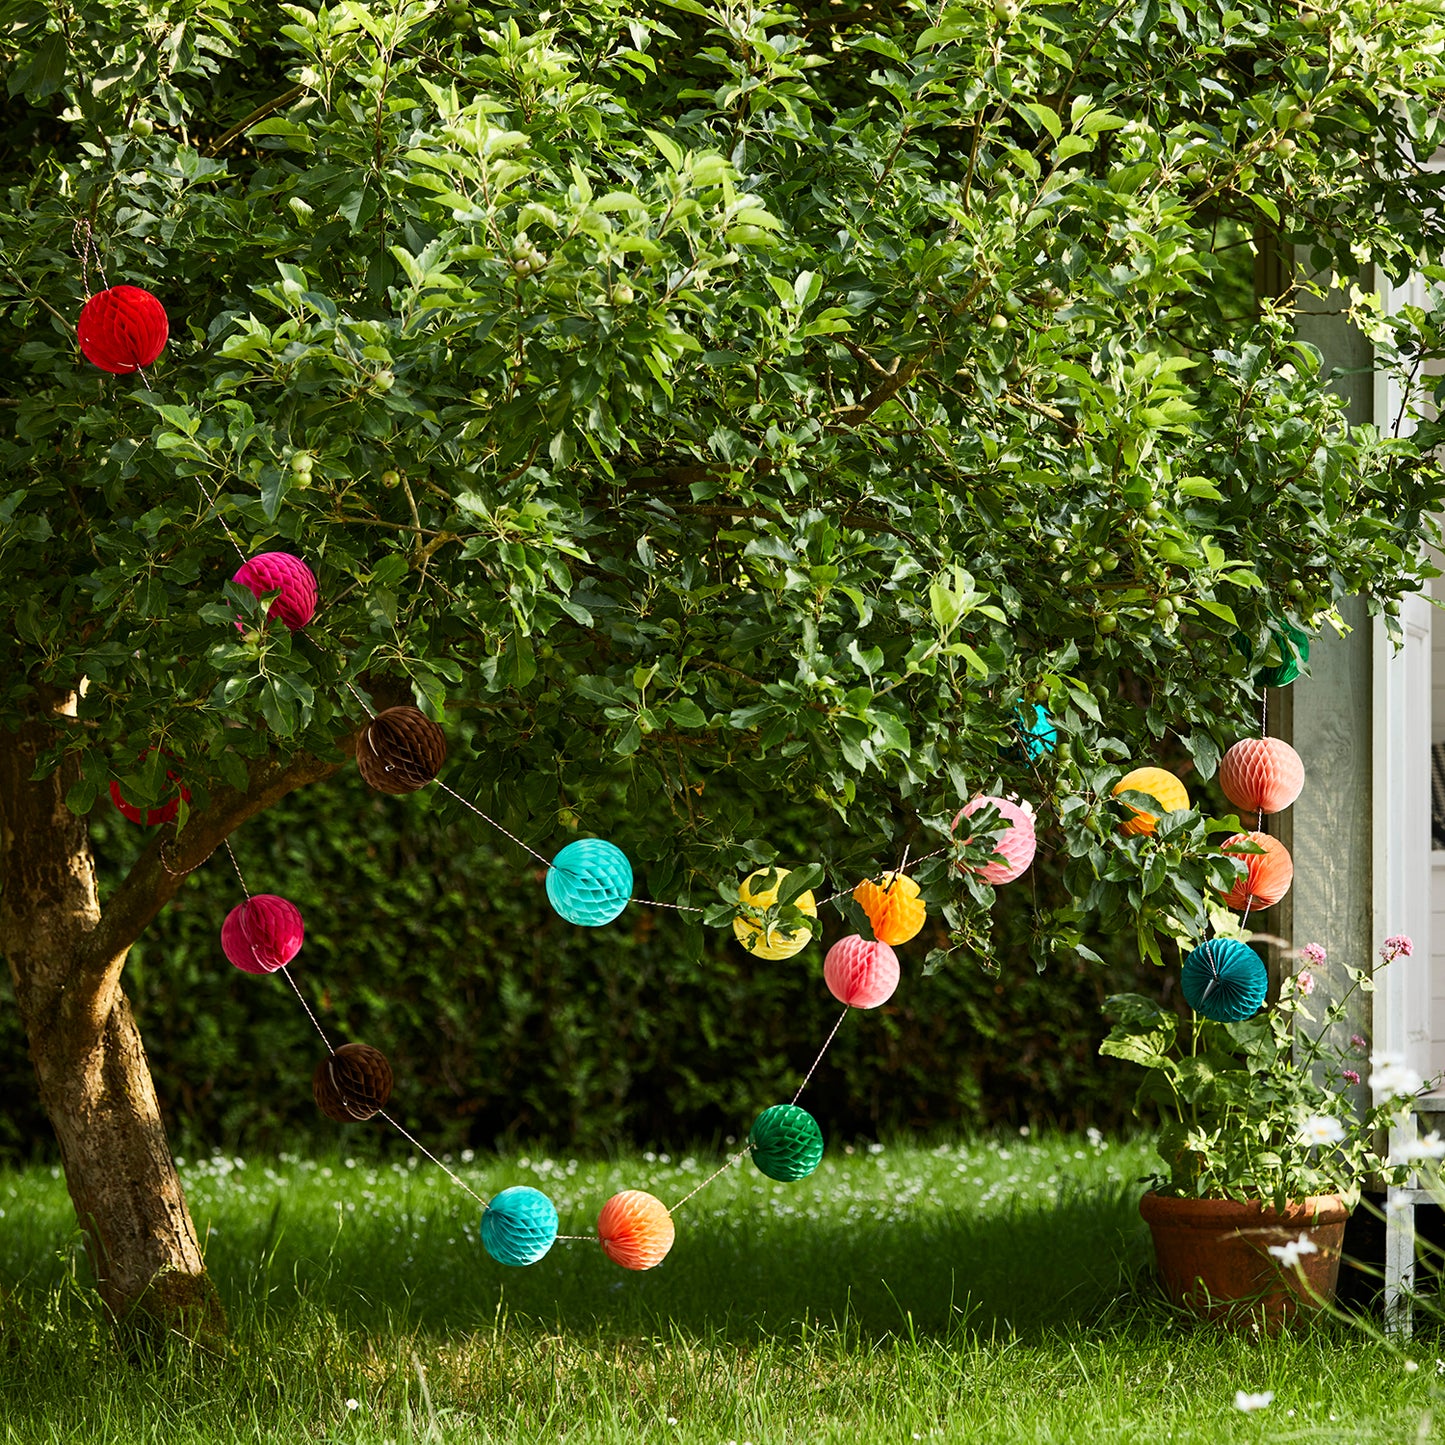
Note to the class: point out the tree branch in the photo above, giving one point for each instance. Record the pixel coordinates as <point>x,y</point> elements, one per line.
<point>257,116</point>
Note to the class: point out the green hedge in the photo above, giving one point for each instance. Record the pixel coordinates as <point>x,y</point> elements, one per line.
<point>506,1025</point>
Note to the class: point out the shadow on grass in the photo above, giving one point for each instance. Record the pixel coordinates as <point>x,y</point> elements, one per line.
<point>1023,1268</point>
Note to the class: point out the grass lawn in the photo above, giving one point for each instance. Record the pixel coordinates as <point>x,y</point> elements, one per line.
<point>975,1291</point>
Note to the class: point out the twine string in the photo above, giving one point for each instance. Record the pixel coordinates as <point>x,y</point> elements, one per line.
<point>720,1170</point>
<point>330,1048</point>
<point>179,872</point>
<point>241,877</point>
<point>826,1042</point>
<point>215,507</point>
<point>467,803</point>
<point>415,1142</point>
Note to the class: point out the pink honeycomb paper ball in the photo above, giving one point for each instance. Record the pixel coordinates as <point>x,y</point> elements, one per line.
<point>1262,775</point>
<point>262,934</point>
<point>267,571</point>
<point>860,972</point>
<point>1016,842</point>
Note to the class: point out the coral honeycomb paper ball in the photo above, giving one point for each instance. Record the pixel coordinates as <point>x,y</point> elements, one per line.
<point>893,906</point>
<point>1267,875</point>
<point>122,329</point>
<point>1163,787</point>
<point>1017,842</point>
<point>262,934</point>
<point>861,973</point>
<point>635,1229</point>
<point>1261,775</point>
<point>776,943</point>
<point>267,571</point>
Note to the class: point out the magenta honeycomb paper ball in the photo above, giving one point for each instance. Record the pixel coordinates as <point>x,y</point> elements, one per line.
<point>267,571</point>
<point>861,972</point>
<point>1016,843</point>
<point>262,934</point>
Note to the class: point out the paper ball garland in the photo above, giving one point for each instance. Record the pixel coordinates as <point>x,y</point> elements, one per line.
<point>1261,775</point>
<point>861,973</point>
<point>777,943</point>
<point>262,934</point>
<point>519,1225</point>
<point>122,329</point>
<point>635,1229</point>
<point>786,1142</point>
<point>267,571</point>
<point>893,907</point>
<point>1017,842</point>
<point>353,1084</point>
<point>1224,980</point>
<point>1267,875</point>
<point>590,882</point>
<point>401,751</point>
<point>1163,787</point>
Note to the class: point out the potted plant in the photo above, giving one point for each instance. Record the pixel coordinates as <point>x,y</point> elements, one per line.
<point>1264,1152</point>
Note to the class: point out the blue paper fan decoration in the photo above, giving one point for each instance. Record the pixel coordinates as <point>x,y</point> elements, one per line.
<point>589,882</point>
<point>1225,980</point>
<point>519,1225</point>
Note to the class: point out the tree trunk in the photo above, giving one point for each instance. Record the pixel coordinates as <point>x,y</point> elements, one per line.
<point>95,1083</point>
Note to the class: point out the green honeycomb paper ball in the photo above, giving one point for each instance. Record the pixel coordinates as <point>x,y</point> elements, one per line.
<point>787,1143</point>
<point>519,1225</point>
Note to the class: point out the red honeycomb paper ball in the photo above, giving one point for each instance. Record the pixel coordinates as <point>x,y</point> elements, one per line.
<point>167,811</point>
<point>262,934</point>
<point>122,329</point>
<point>635,1229</point>
<point>1267,875</point>
<point>1261,775</point>
<point>1016,843</point>
<point>267,571</point>
<point>860,972</point>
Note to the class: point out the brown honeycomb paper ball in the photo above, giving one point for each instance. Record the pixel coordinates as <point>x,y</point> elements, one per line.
<point>352,1084</point>
<point>401,751</point>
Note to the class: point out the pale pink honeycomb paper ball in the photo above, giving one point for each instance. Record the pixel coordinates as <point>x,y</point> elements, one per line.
<point>861,972</point>
<point>1017,843</point>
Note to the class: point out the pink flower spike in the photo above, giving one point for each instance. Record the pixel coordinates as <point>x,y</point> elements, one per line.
<point>1350,1076</point>
<point>1313,954</point>
<point>1395,946</point>
<point>1356,1042</point>
<point>1305,983</point>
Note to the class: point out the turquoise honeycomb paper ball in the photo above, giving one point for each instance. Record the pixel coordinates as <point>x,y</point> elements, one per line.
<point>787,1143</point>
<point>519,1225</point>
<point>1040,736</point>
<point>589,882</point>
<point>1224,980</point>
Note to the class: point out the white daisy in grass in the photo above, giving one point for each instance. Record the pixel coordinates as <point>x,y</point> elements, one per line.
<point>1247,1402</point>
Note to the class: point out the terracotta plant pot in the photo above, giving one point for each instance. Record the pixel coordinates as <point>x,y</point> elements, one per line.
<point>1214,1258</point>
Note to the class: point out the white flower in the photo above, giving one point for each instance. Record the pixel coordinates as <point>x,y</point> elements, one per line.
<point>1243,1400</point>
<point>1411,1366</point>
<point>353,1404</point>
<point>1288,1254</point>
<point>1432,1146</point>
<point>1393,1077</point>
<point>1320,1129</point>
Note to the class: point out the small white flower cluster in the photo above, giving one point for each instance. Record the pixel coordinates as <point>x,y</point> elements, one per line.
<point>1247,1402</point>
<point>1432,1146</point>
<point>1288,1254</point>
<point>1392,1078</point>
<point>1320,1129</point>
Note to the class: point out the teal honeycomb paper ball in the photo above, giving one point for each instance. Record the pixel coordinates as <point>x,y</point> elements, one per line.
<point>1224,980</point>
<point>519,1225</point>
<point>589,882</point>
<point>786,1142</point>
<point>1040,736</point>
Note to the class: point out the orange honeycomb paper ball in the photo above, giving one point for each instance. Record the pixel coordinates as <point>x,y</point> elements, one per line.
<point>1261,775</point>
<point>893,907</point>
<point>635,1229</point>
<point>1163,787</point>
<point>1267,875</point>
